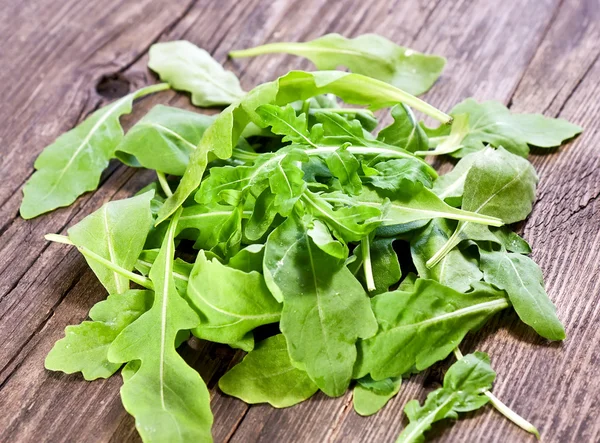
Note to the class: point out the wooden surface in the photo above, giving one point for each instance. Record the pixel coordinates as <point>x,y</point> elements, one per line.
<point>61,59</point>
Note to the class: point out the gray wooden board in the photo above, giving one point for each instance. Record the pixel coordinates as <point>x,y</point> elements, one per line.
<point>63,59</point>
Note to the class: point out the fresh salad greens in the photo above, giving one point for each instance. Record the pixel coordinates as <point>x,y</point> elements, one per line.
<point>286,212</point>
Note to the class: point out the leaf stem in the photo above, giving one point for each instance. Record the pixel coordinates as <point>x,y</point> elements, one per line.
<point>346,111</point>
<point>150,90</point>
<point>365,249</point>
<point>505,410</point>
<point>139,279</point>
<point>164,184</point>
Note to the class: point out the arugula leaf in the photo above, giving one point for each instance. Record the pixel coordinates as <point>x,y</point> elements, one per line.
<point>325,309</point>
<point>266,375</point>
<point>320,235</point>
<point>491,122</point>
<point>163,139</point>
<point>383,261</point>
<point>405,132</point>
<point>284,121</point>
<point>500,184</point>
<point>116,232</point>
<point>186,67</point>
<point>344,166</point>
<point>72,165</point>
<point>457,270</point>
<point>248,259</point>
<point>231,303</point>
<point>523,281</point>
<point>423,204</point>
<point>168,399</point>
<point>423,326</point>
<point>350,223</point>
<point>399,175</point>
<point>368,54</point>
<point>450,186</point>
<point>85,346</point>
<point>369,396</point>
<point>221,137</point>
<point>464,389</point>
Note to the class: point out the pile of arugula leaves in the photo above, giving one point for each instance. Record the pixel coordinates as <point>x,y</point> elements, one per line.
<point>294,213</point>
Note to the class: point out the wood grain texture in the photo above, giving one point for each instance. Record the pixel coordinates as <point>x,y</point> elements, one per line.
<point>535,55</point>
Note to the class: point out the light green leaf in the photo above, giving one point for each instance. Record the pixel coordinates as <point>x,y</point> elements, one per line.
<point>350,223</point>
<point>384,264</point>
<point>457,270</point>
<point>266,375</point>
<point>523,281</point>
<point>168,399</point>
<point>450,187</point>
<point>492,123</point>
<point>405,132</point>
<point>399,176</point>
<point>499,184</point>
<point>325,309</point>
<point>423,204</point>
<point>231,303</point>
<point>116,232</point>
<point>368,54</point>
<point>320,235</point>
<point>85,346</point>
<point>284,121</point>
<point>221,137</point>
<point>73,164</point>
<point>248,259</point>
<point>344,166</point>
<point>464,386</point>
<point>186,67</point>
<point>163,139</point>
<point>421,327</point>
<point>370,396</point>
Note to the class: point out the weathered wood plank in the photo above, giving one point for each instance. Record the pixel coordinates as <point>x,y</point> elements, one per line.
<point>44,288</point>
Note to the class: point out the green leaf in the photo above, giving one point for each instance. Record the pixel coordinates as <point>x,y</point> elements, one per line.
<point>116,232</point>
<point>399,175</point>
<point>344,166</point>
<point>231,303</point>
<point>423,204</point>
<point>320,235</point>
<point>523,281</point>
<point>168,399</point>
<point>222,136</point>
<point>499,184</point>
<point>492,123</point>
<point>325,309</point>
<point>421,327</point>
<point>350,223</point>
<point>163,139</point>
<point>369,396</point>
<point>457,270</point>
<point>73,164</point>
<point>368,54</point>
<point>405,132</point>
<point>464,389</point>
<point>266,375</point>
<point>188,68</point>
<point>85,346</point>
<point>384,264</point>
<point>262,217</point>
<point>248,259</point>
<point>284,121</point>
<point>450,186</point>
